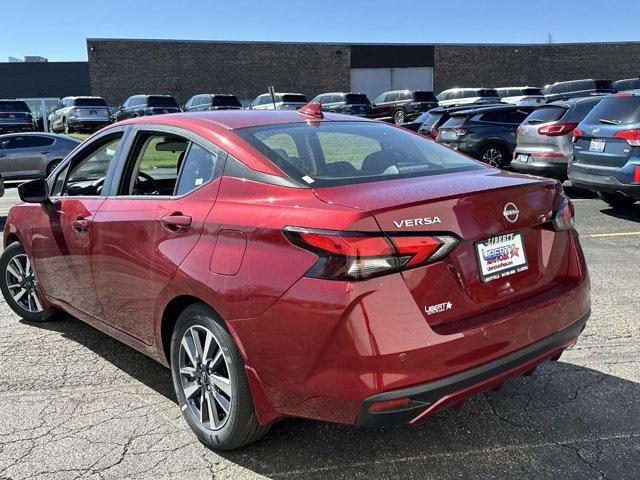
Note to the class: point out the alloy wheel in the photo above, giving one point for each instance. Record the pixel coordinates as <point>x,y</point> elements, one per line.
<point>205,378</point>
<point>492,156</point>
<point>398,117</point>
<point>21,282</point>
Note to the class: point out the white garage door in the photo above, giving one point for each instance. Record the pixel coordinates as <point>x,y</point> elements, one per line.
<point>374,81</point>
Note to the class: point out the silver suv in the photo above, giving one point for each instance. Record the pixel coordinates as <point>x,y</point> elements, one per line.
<point>544,145</point>
<point>283,101</point>
<point>74,114</point>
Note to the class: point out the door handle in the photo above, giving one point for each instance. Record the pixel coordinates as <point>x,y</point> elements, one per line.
<point>176,221</point>
<point>80,225</point>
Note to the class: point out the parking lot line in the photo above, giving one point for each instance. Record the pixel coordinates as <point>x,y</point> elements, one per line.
<point>617,234</point>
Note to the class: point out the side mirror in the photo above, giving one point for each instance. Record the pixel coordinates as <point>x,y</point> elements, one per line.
<point>35,191</point>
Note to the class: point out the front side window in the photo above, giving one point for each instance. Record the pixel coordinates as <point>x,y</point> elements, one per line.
<point>335,153</point>
<point>87,171</point>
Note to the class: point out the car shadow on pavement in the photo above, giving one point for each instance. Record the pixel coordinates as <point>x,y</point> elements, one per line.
<point>578,193</point>
<point>564,421</point>
<point>631,213</point>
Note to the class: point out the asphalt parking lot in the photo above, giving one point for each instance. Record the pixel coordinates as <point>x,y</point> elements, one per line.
<point>75,403</point>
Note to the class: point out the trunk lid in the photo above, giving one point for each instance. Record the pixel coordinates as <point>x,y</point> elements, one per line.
<point>471,206</point>
<point>598,147</point>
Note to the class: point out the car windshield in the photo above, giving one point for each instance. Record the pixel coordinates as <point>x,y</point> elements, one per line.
<point>13,106</point>
<point>292,98</point>
<point>424,97</point>
<point>166,102</point>
<point>226,101</point>
<point>89,102</point>
<point>616,110</point>
<point>356,99</point>
<point>546,114</point>
<point>338,153</point>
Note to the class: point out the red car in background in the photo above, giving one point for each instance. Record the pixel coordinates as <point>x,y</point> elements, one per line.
<point>289,263</point>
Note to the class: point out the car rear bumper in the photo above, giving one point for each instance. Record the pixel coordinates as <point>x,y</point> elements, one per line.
<point>603,183</point>
<point>88,123</point>
<point>545,169</point>
<point>16,127</point>
<point>427,398</point>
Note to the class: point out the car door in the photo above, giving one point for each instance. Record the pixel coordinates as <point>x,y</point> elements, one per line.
<point>8,145</point>
<point>29,160</point>
<point>146,228</point>
<point>62,239</point>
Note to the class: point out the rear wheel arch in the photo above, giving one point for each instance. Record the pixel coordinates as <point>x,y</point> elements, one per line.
<point>170,314</point>
<point>11,238</point>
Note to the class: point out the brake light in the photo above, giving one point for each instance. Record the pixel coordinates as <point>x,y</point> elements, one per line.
<point>563,217</point>
<point>557,129</point>
<point>636,174</point>
<point>577,133</point>
<point>631,136</point>
<point>357,255</point>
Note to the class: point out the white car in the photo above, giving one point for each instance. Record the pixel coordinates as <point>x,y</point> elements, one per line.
<point>283,101</point>
<point>464,96</point>
<point>521,95</point>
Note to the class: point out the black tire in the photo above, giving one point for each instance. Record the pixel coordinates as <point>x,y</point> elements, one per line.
<point>616,200</point>
<point>495,155</point>
<point>241,425</point>
<point>50,126</point>
<point>11,252</point>
<point>399,116</point>
<point>52,165</point>
<point>65,126</point>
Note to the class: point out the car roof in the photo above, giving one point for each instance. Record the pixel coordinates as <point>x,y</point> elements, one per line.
<point>490,108</point>
<point>236,119</point>
<point>41,134</point>
<point>572,101</point>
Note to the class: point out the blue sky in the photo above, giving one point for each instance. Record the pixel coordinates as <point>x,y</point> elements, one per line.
<point>57,29</point>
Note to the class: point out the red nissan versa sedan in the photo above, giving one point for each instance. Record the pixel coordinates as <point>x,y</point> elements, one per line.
<point>286,263</point>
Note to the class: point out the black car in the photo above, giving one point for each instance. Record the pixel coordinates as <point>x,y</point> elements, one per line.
<point>348,103</point>
<point>429,122</point>
<point>485,133</point>
<point>212,101</point>
<point>627,84</point>
<point>399,106</point>
<point>142,105</point>
<point>577,88</point>
<point>15,116</point>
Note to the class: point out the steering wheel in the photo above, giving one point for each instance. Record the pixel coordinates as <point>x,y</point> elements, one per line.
<point>148,184</point>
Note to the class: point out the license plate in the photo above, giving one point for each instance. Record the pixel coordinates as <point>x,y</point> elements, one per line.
<point>522,158</point>
<point>501,256</point>
<point>596,145</point>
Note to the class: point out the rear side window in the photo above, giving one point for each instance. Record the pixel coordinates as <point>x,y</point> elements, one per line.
<point>581,109</point>
<point>167,102</point>
<point>197,169</point>
<point>615,110</point>
<point>13,106</point>
<point>546,114</point>
<point>32,141</point>
<point>455,121</point>
<point>294,98</point>
<point>356,99</point>
<point>226,101</point>
<point>424,97</point>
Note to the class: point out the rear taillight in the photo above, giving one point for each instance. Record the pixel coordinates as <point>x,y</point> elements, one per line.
<point>563,217</point>
<point>460,131</point>
<point>577,133</point>
<point>356,255</point>
<point>636,174</point>
<point>557,129</point>
<point>631,136</point>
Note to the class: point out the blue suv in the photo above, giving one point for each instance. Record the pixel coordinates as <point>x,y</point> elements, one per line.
<point>606,150</point>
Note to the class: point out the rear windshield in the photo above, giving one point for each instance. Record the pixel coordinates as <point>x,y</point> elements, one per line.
<point>89,102</point>
<point>352,152</point>
<point>488,92</point>
<point>455,121</point>
<point>424,97</point>
<point>167,102</point>
<point>356,99</point>
<point>546,114</point>
<point>288,98</point>
<point>13,106</point>
<point>431,119</point>
<point>226,101</point>
<point>615,110</point>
